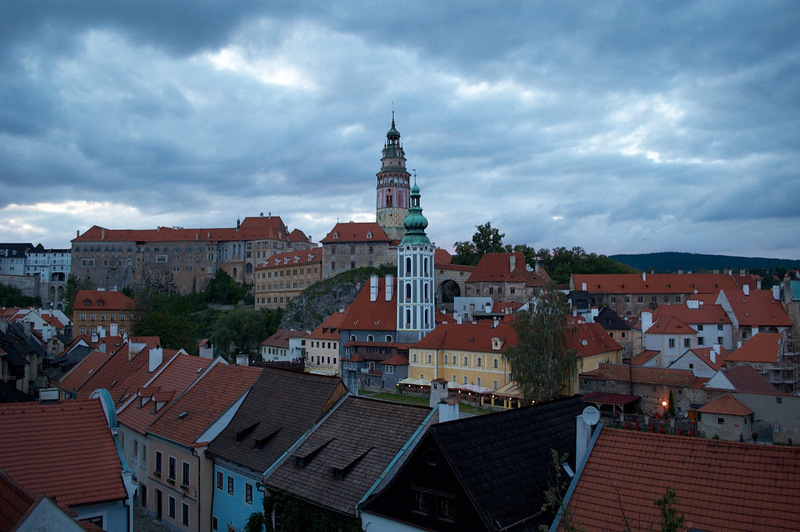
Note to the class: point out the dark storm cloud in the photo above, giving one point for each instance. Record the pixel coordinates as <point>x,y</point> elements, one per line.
<point>617,126</point>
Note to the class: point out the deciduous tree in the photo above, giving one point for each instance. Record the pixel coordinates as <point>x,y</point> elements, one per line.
<point>541,362</point>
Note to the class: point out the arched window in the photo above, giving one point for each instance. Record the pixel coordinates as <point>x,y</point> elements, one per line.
<point>388,338</point>
<point>426,292</point>
<point>408,291</point>
<point>427,319</point>
<point>408,266</point>
<point>425,266</point>
<point>370,338</point>
<point>408,318</point>
<point>352,337</point>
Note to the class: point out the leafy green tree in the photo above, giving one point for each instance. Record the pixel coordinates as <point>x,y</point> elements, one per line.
<point>224,290</point>
<point>12,297</point>
<point>541,362</point>
<point>71,290</point>
<point>561,262</point>
<point>486,239</point>
<point>239,331</point>
<point>671,519</point>
<point>255,523</point>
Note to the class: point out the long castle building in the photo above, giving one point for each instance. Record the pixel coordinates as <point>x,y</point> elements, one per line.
<point>178,259</point>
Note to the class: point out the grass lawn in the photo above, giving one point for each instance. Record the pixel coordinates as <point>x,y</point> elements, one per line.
<point>419,401</point>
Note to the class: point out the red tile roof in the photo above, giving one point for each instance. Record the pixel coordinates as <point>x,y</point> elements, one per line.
<point>475,337</point>
<point>591,339</point>
<point>329,329</point>
<point>654,283</point>
<point>111,300</point>
<point>251,228</point>
<point>727,405</point>
<point>167,383</point>
<point>397,360</point>
<point>704,354</point>
<point>746,378</point>
<point>707,314</point>
<point>300,257</point>
<point>496,267</point>
<point>282,336</point>
<point>643,375</point>
<point>670,325</point>
<point>644,357</point>
<point>204,402</point>
<point>441,257</point>
<point>761,348</point>
<point>356,232</point>
<point>378,315</point>
<point>720,485</point>
<point>759,309</point>
<point>63,450</point>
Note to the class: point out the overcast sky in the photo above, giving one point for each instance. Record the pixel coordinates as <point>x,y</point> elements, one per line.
<point>620,127</point>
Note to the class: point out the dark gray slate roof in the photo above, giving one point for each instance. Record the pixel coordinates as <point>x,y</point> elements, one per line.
<point>337,464</point>
<point>610,320</point>
<point>280,407</point>
<point>503,461</point>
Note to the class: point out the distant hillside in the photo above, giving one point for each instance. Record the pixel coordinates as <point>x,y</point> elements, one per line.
<point>673,261</point>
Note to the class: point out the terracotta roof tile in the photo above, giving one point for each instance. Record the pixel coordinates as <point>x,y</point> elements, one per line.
<point>670,325</point>
<point>347,232</point>
<point>329,329</point>
<point>644,357</point>
<point>642,375</point>
<point>204,402</point>
<point>758,309</point>
<point>299,257</point>
<point>654,283</point>
<point>591,339</point>
<point>727,404</point>
<point>378,315</point>
<point>63,450</point>
<point>746,378</point>
<point>497,267</point>
<point>761,348</point>
<point>476,337</point>
<point>282,336</point>
<point>720,485</point>
<point>102,300</point>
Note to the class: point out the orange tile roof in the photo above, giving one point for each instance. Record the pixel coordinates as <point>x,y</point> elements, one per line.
<point>496,267</point>
<point>204,402</point>
<point>251,228</point>
<point>64,450</point>
<point>329,329</point>
<point>670,325</point>
<point>441,257</point>
<point>591,339</point>
<point>455,267</point>
<point>727,405</point>
<point>169,382</point>
<point>397,360</point>
<point>654,283</point>
<point>761,348</point>
<point>111,300</point>
<point>720,485</point>
<point>706,314</point>
<point>77,376</point>
<point>643,357</point>
<point>301,256</point>
<point>704,354</point>
<point>356,232</point>
<point>378,315</point>
<point>282,336</point>
<point>476,337</point>
<point>643,375</point>
<point>759,309</point>
<point>746,378</point>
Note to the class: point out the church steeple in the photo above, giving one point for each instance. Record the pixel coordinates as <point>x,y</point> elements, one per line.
<point>415,298</point>
<point>392,200</point>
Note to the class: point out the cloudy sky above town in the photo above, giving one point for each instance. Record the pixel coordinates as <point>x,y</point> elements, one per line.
<point>620,127</point>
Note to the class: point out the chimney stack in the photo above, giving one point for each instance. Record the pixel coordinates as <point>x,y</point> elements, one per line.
<point>373,288</point>
<point>746,289</point>
<point>389,286</point>
<point>512,259</point>
<point>156,357</point>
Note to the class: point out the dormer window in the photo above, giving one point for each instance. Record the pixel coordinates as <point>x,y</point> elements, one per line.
<point>336,234</point>
<point>369,234</point>
<point>87,302</point>
<point>100,302</point>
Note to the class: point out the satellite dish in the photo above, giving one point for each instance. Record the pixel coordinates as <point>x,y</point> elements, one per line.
<point>590,416</point>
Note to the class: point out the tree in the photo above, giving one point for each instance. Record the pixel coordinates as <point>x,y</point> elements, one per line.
<point>542,362</point>
<point>486,239</point>
<point>239,330</point>
<point>561,262</point>
<point>671,519</point>
<point>222,289</point>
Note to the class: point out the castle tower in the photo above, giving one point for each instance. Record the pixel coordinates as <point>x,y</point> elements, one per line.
<point>392,200</point>
<point>415,296</point>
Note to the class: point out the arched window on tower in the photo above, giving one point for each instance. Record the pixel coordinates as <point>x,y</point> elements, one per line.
<point>408,318</point>
<point>388,199</point>
<point>408,266</point>
<point>426,292</point>
<point>408,291</point>
<point>425,267</point>
<point>427,319</point>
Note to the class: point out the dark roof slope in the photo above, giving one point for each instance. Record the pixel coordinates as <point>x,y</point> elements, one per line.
<point>503,460</point>
<point>359,440</point>
<point>278,410</point>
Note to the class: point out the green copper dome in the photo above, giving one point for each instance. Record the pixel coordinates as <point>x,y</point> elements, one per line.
<point>415,222</point>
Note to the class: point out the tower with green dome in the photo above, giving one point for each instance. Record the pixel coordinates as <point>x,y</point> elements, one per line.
<point>415,296</point>
<point>393,196</point>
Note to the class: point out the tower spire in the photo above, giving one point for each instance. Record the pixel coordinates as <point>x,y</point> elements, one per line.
<point>393,191</point>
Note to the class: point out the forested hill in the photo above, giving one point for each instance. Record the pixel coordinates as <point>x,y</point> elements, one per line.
<point>673,261</point>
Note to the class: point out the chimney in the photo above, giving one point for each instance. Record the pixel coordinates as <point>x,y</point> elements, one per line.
<point>644,276</point>
<point>448,409</point>
<point>512,259</point>
<point>373,288</point>
<point>746,289</point>
<point>583,286</point>
<point>495,322</point>
<point>647,320</point>
<point>389,286</point>
<point>457,316</point>
<point>102,234</point>
<point>28,328</point>
<point>583,433</point>
<point>156,357</point>
<point>776,292</point>
<point>95,338</point>
<point>113,329</point>
<point>713,353</point>
<point>101,331</point>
